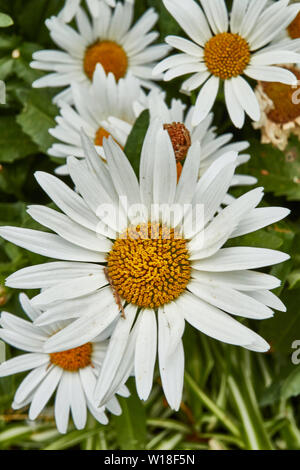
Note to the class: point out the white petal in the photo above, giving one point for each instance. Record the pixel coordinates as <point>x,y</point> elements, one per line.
<point>67,200</point>
<point>48,244</point>
<point>215,323</point>
<point>259,218</point>
<point>62,403</point>
<point>217,15</point>
<point>230,300</point>
<point>171,366</point>
<point>271,74</point>
<point>85,328</point>
<point>78,403</point>
<point>191,18</point>
<point>234,108</point>
<point>246,97</point>
<point>23,363</point>
<point>145,353</point>
<point>206,99</point>
<point>240,258</point>
<point>114,354</point>
<point>44,392</point>
<point>70,289</point>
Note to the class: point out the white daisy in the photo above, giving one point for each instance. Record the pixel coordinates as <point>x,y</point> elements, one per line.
<point>94,6</point>
<point>178,122</point>
<point>224,47</point>
<point>71,374</point>
<point>147,267</point>
<point>108,39</point>
<point>106,108</point>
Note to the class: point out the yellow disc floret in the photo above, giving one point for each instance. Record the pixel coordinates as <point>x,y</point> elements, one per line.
<point>227,55</point>
<point>73,359</point>
<point>110,55</point>
<point>149,265</point>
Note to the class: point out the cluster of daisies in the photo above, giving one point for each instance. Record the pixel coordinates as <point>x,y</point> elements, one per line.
<point>120,289</point>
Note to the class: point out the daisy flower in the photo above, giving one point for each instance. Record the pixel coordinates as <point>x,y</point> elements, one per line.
<point>178,122</point>
<point>280,111</point>
<point>109,39</point>
<point>71,374</point>
<point>223,47</point>
<point>94,6</point>
<point>146,271</point>
<point>106,108</point>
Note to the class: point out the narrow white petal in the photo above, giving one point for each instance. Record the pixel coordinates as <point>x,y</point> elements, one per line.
<point>240,258</point>
<point>44,392</point>
<point>246,97</point>
<point>115,351</point>
<point>206,99</point>
<point>145,353</point>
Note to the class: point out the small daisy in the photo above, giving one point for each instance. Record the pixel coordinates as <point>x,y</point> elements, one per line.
<point>72,373</point>
<point>109,40</point>
<point>106,108</point>
<point>145,265</point>
<point>178,123</point>
<point>280,111</point>
<point>225,47</point>
<point>94,6</point>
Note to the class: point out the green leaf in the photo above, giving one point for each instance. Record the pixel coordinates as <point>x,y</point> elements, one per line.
<point>37,117</point>
<point>291,386</point>
<point>5,20</point>
<point>166,23</point>
<point>22,60</point>
<point>12,213</point>
<point>14,144</point>
<point>281,330</point>
<point>278,172</point>
<point>12,177</point>
<point>31,20</point>
<point>294,279</point>
<point>131,425</point>
<point>72,439</point>
<point>135,140</point>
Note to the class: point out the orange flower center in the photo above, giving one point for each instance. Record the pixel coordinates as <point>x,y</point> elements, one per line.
<point>149,265</point>
<point>100,135</point>
<point>294,28</point>
<point>227,55</point>
<point>110,55</point>
<point>282,96</point>
<point>73,359</point>
<point>180,138</point>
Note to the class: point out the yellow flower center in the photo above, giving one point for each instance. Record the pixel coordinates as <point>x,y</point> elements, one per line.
<point>227,55</point>
<point>149,265</point>
<point>100,135</point>
<point>73,359</point>
<point>294,28</point>
<point>282,96</point>
<point>110,55</point>
<point>180,138</point>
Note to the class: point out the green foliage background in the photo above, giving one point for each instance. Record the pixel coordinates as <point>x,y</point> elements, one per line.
<point>232,399</point>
